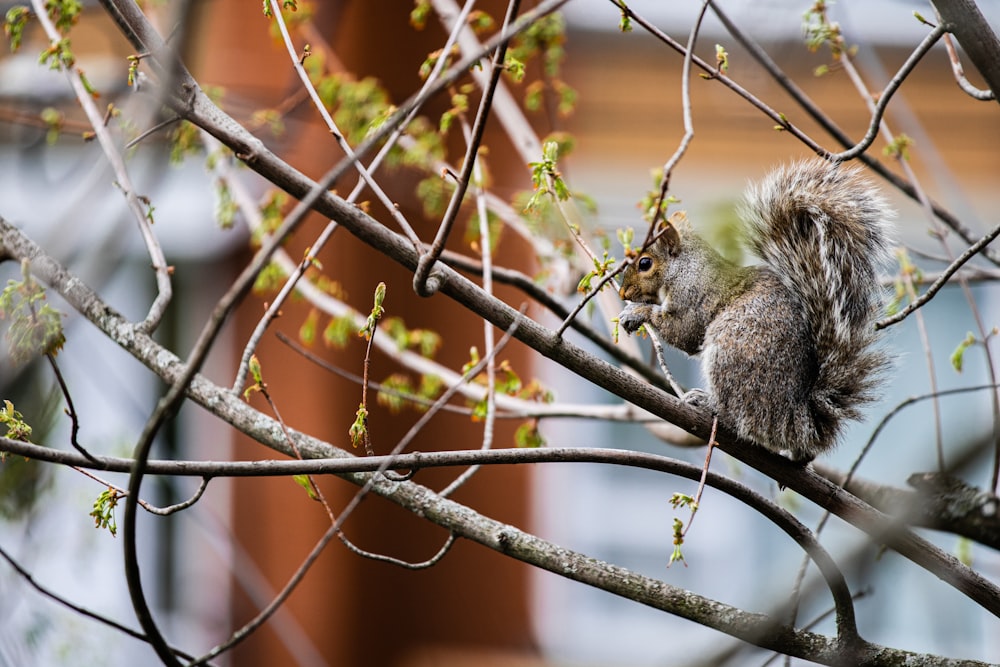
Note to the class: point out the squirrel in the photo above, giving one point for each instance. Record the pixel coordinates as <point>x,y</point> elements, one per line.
<point>788,348</point>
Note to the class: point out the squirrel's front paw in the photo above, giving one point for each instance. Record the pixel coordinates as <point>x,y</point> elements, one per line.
<point>633,316</point>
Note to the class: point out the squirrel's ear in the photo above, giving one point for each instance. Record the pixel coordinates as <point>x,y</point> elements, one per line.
<point>669,237</point>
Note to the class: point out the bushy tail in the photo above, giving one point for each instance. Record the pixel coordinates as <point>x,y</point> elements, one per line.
<point>825,232</point>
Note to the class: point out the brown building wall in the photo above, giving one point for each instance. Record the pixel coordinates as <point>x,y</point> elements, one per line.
<point>357,611</point>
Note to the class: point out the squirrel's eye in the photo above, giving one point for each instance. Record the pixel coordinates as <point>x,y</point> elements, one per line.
<point>644,264</point>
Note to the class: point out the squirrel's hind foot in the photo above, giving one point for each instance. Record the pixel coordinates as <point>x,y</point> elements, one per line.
<point>699,398</point>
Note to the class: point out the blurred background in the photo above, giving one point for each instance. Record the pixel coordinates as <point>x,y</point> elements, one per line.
<point>211,568</point>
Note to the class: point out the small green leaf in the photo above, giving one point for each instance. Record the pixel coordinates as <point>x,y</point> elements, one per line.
<point>515,68</point>
<point>376,313</point>
<point>393,392</point>
<point>677,554</point>
<point>963,551</point>
<point>473,360</point>
<point>625,22</point>
<point>430,387</point>
<point>306,483</point>
<point>104,510</point>
<point>13,25</point>
<point>307,332</point>
<point>360,426</point>
<point>269,279</point>
<point>35,327</point>
<point>682,500</point>
<point>338,331</point>
<point>958,355</point>
<point>87,85</point>
<point>899,147</point>
<point>17,428</point>
<point>721,59</point>
<point>421,11</point>
<point>255,372</point>
<point>225,205</point>
<point>528,435</point>
<point>480,21</point>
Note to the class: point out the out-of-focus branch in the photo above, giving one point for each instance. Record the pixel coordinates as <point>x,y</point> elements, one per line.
<point>96,118</point>
<point>936,500</point>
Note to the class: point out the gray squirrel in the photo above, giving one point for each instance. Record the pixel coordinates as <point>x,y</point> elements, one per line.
<point>788,348</point>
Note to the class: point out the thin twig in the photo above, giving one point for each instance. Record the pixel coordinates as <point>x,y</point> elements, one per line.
<point>314,490</point>
<point>605,279</point>
<point>74,419</point>
<point>942,280</point>
<point>654,339</point>
<point>370,335</point>
<point>668,167</point>
<point>964,83</point>
<point>146,505</point>
<point>96,118</point>
<point>925,343</point>
<point>886,95</point>
<point>152,130</point>
<point>696,503</point>
<point>422,565</point>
